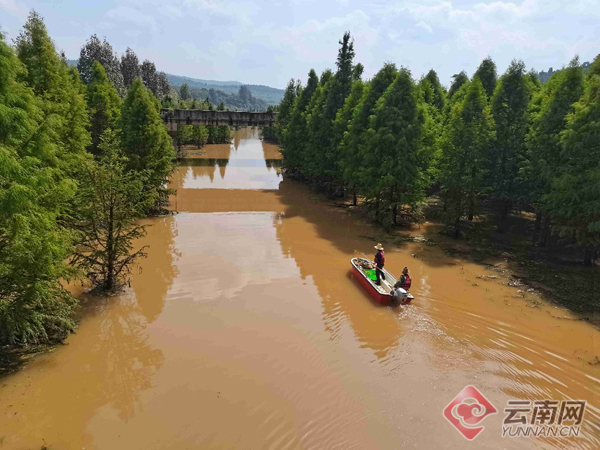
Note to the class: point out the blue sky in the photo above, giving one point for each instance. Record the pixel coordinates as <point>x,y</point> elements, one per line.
<point>269,42</point>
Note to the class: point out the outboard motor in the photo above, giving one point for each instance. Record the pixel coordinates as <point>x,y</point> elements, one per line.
<point>400,295</point>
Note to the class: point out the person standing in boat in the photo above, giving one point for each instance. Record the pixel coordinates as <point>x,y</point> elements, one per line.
<point>379,263</point>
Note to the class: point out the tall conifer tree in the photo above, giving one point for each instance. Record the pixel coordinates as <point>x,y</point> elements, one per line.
<point>104,105</point>
<point>146,142</point>
<point>510,112</point>
<point>466,141</point>
<point>574,200</point>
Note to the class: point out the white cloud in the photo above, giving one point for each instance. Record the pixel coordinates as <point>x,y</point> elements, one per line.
<point>124,13</point>
<point>12,7</point>
<point>424,26</point>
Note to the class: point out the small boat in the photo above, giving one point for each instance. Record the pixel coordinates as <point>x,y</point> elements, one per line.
<point>365,274</point>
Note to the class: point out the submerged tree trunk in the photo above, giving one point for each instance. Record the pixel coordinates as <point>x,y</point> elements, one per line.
<point>110,244</point>
<point>587,256</point>
<point>504,209</point>
<point>545,232</point>
<point>394,207</point>
<point>537,227</point>
<point>471,206</point>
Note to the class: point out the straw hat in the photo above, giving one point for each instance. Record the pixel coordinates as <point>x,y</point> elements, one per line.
<point>379,247</point>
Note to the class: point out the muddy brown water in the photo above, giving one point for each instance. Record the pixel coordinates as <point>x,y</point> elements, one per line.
<point>244,329</point>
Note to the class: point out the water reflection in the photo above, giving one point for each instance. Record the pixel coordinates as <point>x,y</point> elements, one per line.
<point>109,363</point>
<point>323,253</point>
<point>246,163</point>
<point>157,271</point>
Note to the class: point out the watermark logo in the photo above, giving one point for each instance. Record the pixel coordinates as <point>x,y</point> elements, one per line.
<point>467,411</point>
<point>543,418</point>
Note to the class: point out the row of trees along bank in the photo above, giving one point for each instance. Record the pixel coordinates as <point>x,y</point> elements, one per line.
<point>79,165</point>
<point>507,139</point>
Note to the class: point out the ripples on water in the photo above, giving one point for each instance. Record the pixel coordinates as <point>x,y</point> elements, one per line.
<point>245,329</point>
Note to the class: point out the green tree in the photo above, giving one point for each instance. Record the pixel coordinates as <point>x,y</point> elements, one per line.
<point>465,144</point>
<point>104,105</point>
<point>200,135</point>
<point>437,96</point>
<point>184,91</point>
<point>130,67</point>
<point>286,107</point>
<point>355,146</point>
<point>510,112</point>
<point>34,307</point>
<point>101,51</point>
<point>109,203</point>
<point>145,141</point>
<point>336,92</point>
<point>59,89</point>
<point>340,128</point>
<point>395,139</point>
<point>488,75</point>
<point>549,109</point>
<point>294,139</point>
<point>574,200</point>
<point>457,81</point>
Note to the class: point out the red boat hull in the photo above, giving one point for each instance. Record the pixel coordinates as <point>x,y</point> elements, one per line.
<point>383,299</point>
<point>379,297</point>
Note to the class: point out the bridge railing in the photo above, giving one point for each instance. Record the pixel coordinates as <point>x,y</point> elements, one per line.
<point>175,117</point>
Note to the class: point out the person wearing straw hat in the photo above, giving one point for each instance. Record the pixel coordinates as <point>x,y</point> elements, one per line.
<point>379,263</point>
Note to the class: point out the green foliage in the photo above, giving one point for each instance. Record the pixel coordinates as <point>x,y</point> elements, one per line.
<point>34,307</point>
<point>466,141</point>
<point>184,91</point>
<point>457,81</point>
<point>549,109</point>
<point>286,108</point>
<point>104,106</point>
<point>108,203</point>
<point>60,92</point>
<point>510,112</point>
<point>574,200</point>
<point>130,67</point>
<point>434,94</point>
<point>395,148</point>
<point>101,51</point>
<point>487,74</point>
<point>146,143</point>
<point>355,146</point>
<point>294,143</point>
<point>218,135</point>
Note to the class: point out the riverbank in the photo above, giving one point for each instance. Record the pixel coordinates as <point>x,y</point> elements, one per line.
<point>553,272</point>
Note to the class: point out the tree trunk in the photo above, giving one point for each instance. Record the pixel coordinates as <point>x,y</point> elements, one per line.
<point>471,206</point>
<point>545,232</point>
<point>587,256</point>
<point>457,227</point>
<point>503,215</point>
<point>354,196</point>
<point>110,269</point>
<point>537,227</point>
<point>394,207</point>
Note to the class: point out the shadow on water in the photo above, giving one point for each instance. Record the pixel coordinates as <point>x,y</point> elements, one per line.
<point>344,301</point>
<point>157,271</point>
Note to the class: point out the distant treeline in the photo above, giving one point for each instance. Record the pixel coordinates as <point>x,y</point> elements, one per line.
<point>545,75</point>
<point>201,89</point>
<point>241,100</point>
<point>508,139</point>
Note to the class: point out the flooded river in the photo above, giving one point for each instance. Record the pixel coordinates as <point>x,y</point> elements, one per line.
<point>243,329</point>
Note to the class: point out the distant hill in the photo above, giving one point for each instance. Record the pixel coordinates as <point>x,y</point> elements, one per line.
<point>269,95</point>
<point>545,75</point>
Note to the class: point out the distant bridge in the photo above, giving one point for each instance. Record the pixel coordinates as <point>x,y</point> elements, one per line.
<point>174,118</point>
